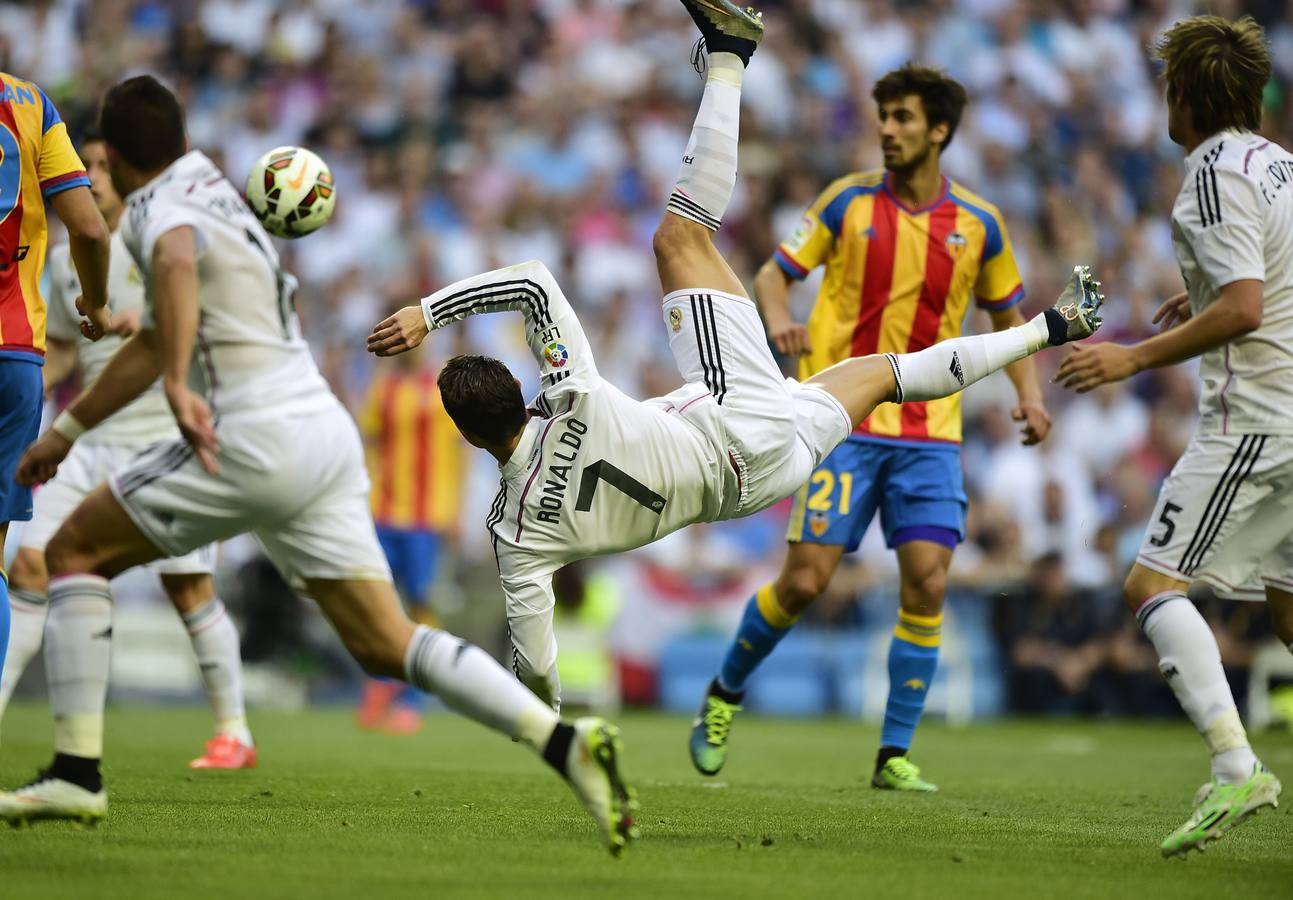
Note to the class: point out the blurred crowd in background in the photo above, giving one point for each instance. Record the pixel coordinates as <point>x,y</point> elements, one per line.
<point>468,134</point>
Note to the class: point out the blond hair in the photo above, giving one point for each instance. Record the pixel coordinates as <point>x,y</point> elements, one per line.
<point>1218,69</point>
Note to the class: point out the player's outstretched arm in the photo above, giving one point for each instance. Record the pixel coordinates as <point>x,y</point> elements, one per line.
<point>130,372</point>
<point>552,329</point>
<point>530,603</point>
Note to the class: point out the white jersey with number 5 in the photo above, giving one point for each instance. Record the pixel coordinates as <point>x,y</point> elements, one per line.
<point>1233,221</point>
<point>249,360</point>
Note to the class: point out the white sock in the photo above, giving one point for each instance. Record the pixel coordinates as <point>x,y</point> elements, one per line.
<point>219,655</point>
<point>1190,661</point>
<point>708,173</point>
<point>78,651</point>
<point>26,631</point>
<point>953,365</point>
<point>472,682</point>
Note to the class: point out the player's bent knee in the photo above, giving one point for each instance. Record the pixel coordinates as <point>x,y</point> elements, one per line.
<point>799,586</point>
<point>68,554</point>
<point>924,590</point>
<point>676,235</point>
<point>1142,583</point>
<point>188,592</point>
<point>28,571</point>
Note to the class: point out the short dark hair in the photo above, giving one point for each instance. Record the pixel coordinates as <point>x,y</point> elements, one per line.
<point>1219,69</point>
<point>143,121</point>
<point>942,96</point>
<point>482,397</point>
<point>89,135</point>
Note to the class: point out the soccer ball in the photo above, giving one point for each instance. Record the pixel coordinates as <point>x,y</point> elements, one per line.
<point>290,190</point>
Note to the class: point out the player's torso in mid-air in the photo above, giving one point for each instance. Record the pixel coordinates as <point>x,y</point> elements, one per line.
<point>898,280</point>
<point>601,473</point>
<point>250,359</point>
<point>1238,193</point>
<point>147,418</point>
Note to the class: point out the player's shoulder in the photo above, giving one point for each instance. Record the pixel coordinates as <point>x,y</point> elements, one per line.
<point>855,183</point>
<point>29,104</point>
<point>962,196</point>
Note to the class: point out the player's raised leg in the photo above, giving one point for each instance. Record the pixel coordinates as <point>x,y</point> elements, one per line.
<point>218,651</point>
<point>386,643</point>
<point>861,384</point>
<point>97,542</point>
<point>684,248</point>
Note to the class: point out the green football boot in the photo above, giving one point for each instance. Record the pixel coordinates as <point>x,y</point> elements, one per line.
<point>1220,807</point>
<point>901,774</point>
<point>710,729</point>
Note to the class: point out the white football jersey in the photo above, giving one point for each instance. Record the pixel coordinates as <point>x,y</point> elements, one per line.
<point>1233,221</point>
<point>249,359</point>
<point>595,471</point>
<point>146,419</point>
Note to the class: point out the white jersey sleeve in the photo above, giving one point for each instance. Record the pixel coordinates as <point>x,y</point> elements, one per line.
<point>1231,222</point>
<point>552,329</point>
<point>1225,226</point>
<point>530,602</point>
<point>62,322</point>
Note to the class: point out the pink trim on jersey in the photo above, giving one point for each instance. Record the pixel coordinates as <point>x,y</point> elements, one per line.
<point>692,401</point>
<point>1225,407</point>
<point>1153,597</point>
<point>520,505</point>
<point>1251,151</point>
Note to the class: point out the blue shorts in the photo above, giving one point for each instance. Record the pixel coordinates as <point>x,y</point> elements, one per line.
<point>918,489</point>
<point>413,555</point>
<point>21,393</point>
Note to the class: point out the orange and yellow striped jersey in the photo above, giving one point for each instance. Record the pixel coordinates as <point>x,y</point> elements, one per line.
<point>415,454</point>
<point>898,280</point>
<point>36,162</point>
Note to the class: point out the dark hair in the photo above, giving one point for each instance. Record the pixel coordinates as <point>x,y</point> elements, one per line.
<point>143,121</point>
<point>942,96</point>
<point>1219,69</point>
<point>89,135</point>
<point>482,397</point>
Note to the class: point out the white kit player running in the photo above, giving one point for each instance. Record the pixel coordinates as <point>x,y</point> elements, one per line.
<point>1225,513</point>
<point>104,449</point>
<point>587,470</point>
<point>267,449</point>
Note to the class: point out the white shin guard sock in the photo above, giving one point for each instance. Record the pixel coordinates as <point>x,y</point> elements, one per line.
<point>953,365</point>
<point>708,174</point>
<point>1190,661</point>
<point>26,632</point>
<point>472,683</point>
<point>219,656</point>
<point>78,651</point>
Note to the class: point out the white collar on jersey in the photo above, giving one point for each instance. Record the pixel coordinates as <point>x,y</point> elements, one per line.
<point>519,461</point>
<point>1195,159</point>
<point>191,162</point>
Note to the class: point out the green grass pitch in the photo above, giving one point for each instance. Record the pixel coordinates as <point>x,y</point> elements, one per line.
<point>1030,809</point>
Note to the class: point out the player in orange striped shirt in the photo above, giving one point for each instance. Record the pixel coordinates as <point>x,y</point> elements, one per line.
<point>37,163</point>
<point>905,249</point>
<point>416,463</point>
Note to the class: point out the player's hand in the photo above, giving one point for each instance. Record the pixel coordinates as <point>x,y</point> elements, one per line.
<point>789,337</point>
<point>1092,365</point>
<point>194,418</point>
<point>1173,312</point>
<point>398,334</point>
<point>1037,421</point>
<point>42,459</point>
<point>97,320</point>
<point>125,324</point>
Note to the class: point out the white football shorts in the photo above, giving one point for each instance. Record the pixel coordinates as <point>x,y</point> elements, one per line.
<point>88,465</point>
<point>779,430</point>
<point>297,483</point>
<point>1225,516</point>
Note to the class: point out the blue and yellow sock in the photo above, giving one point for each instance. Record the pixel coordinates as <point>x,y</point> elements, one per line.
<point>763,626</point>
<point>913,659</point>
<point>4,616</point>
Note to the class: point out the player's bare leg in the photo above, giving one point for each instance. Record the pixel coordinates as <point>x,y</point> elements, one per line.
<point>218,651</point>
<point>1190,661</point>
<point>97,542</point>
<point>368,617</point>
